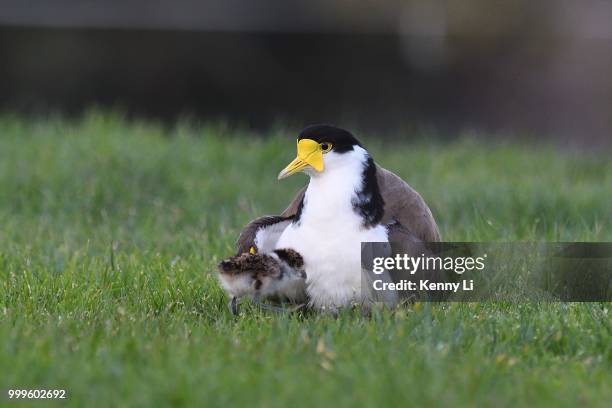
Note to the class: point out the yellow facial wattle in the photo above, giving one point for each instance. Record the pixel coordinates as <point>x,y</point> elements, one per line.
<point>309,153</point>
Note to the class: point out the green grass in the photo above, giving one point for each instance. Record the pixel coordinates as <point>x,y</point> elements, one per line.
<point>110,230</point>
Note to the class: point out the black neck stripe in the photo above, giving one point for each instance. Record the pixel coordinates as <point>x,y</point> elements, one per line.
<point>368,202</point>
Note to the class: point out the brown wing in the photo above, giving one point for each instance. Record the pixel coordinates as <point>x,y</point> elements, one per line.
<point>403,205</point>
<point>398,234</point>
<point>246,240</point>
<point>295,204</point>
<point>406,207</point>
<point>247,236</point>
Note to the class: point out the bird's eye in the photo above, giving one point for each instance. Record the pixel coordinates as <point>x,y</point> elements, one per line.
<point>326,147</point>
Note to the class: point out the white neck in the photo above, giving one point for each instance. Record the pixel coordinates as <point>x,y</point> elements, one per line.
<point>330,192</point>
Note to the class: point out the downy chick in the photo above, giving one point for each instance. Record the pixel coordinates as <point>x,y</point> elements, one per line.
<point>277,274</point>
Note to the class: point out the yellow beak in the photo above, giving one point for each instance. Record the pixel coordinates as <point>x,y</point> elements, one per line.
<point>309,153</point>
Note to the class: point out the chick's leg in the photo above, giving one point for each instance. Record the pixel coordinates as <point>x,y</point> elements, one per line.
<point>233,305</point>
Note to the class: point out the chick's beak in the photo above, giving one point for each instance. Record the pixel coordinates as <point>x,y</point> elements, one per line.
<point>309,153</point>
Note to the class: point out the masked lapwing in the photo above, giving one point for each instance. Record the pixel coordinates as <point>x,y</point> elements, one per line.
<point>348,200</point>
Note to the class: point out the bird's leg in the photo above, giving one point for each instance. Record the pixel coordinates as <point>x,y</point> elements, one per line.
<point>256,300</point>
<point>233,306</point>
<point>332,311</point>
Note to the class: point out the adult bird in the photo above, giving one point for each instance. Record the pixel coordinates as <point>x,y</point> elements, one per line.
<point>348,200</point>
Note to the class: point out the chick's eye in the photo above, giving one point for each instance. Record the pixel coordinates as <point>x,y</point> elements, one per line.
<point>326,147</point>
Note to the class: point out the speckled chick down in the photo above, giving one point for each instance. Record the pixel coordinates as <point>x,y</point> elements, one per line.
<point>279,274</point>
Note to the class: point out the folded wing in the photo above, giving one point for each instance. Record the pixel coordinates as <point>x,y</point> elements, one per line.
<point>405,209</point>
<point>262,233</point>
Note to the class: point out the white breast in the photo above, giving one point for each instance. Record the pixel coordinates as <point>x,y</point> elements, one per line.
<point>329,234</point>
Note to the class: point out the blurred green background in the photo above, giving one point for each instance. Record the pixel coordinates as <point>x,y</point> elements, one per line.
<point>111,230</point>
<point>504,69</point>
